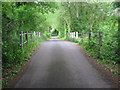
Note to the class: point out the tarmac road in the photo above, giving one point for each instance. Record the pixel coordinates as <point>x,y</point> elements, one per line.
<point>60,64</point>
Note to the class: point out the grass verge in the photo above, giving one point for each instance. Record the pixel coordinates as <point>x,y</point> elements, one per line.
<point>110,65</point>
<point>10,72</point>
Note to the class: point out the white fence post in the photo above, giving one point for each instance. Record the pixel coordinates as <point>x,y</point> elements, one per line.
<point>34,33</point>
<point>73,34</point>
<point>76,35</point>
<point>38,34</point>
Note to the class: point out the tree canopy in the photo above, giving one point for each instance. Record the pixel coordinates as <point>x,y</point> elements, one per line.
<point>65,17</point>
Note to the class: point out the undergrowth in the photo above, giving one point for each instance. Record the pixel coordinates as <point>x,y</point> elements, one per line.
<point>108,59</point>
<point>17,58</point>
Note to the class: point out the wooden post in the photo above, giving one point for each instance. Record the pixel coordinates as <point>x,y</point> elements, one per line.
<point>31,35</point>
<point>35,33</point>
<point>21,39</point>
<point>38,34</point>
<point>26,36</point>
<point>82,36</point>
<point>100,44</point>
<point>89,37</point>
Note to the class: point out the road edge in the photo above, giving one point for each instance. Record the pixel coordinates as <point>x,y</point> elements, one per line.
<point>23,68</point>
<point>114,79</point>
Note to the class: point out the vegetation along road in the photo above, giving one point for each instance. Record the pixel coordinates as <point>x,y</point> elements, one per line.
<point>79,44</point>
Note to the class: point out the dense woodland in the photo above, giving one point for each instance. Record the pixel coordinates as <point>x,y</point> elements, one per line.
<point>65,17</point>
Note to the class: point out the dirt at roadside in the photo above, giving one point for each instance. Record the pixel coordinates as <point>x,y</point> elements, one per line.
<point>113,78</point>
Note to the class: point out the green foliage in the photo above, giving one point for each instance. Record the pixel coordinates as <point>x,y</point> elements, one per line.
<point>16,57</point>
<point>94,18</point>
<point>22,16</point>
<point>65,17</point>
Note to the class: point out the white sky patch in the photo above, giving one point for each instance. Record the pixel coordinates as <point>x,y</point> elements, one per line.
<point>36,2</point>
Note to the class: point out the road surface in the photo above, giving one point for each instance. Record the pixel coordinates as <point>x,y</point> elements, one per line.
<point>60,64</point>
